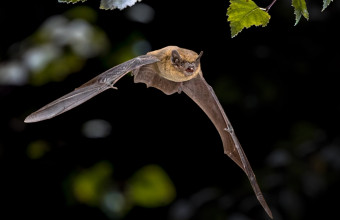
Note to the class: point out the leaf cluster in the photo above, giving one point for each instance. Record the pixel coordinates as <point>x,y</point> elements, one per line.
<point>245,13</point>
<point>241,13</point>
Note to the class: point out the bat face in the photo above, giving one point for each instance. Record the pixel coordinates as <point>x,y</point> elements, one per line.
<point>186,67</point>
<point>170,69</point>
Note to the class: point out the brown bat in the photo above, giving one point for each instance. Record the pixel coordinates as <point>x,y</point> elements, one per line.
<point>170,69</point>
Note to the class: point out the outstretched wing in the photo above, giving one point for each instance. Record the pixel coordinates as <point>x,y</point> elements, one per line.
<point>203,95</point>
<point>90,89</point>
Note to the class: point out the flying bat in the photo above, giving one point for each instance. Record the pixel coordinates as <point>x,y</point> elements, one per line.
<point>170,69</point>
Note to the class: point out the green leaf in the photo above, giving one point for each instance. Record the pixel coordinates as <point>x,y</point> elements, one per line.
<point>325,4</point>
<point>300,9</point>
<point>71,1</point>
<point>151,187</point>
<point>244,14</point>
<point>120,4</point>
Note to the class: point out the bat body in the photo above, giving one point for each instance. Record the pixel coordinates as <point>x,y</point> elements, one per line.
<point>170,69</point>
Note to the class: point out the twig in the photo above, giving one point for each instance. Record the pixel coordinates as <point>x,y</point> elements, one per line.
<point>269,6</point>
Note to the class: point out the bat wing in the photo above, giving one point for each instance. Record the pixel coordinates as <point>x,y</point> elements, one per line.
<point>204,96</point>
<point>90,89</point>
<point>148,75</point>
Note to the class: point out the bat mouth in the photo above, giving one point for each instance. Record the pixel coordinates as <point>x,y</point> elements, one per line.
<point>190,69</point>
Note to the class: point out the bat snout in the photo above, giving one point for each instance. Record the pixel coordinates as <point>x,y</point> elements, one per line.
<point>189,69</point>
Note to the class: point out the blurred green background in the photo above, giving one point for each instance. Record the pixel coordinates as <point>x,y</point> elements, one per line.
<point>136,153</point>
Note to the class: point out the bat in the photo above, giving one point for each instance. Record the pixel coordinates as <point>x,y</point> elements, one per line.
<point>170,69</point>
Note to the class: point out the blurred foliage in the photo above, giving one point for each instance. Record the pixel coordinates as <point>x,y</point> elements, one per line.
<point>61,45</point>
<point>88,185</point>
<point>58,48</point>
<point>134,45</point>
<point>120,4</point>
<point>96,128</point>
<point>37,149</point>
<point>148,187</point>
<point>71,1</point>
<point>83,13</point>
<point>151,187</point>
<point>70,43</point>
<point>107,4</point>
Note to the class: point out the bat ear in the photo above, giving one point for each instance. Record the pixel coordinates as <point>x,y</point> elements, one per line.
<point>199,58</point>
<point>175,57</point>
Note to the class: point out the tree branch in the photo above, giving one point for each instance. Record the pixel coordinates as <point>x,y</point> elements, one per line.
<point>269,6</point>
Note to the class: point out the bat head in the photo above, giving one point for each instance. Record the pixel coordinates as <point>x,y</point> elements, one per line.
<point>187,67</point>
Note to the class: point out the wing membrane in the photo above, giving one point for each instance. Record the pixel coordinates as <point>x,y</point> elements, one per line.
<point>89,89</point>
<point>204,96</point>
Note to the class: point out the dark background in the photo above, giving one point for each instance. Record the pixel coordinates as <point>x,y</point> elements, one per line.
<point>278,86</point>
